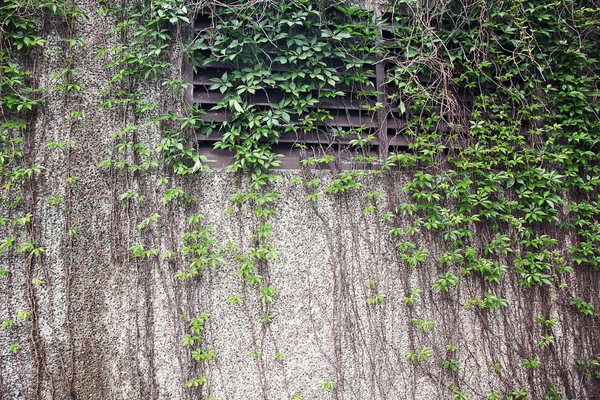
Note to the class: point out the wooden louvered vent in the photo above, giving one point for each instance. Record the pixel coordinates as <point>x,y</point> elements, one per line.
<point>343,114</point>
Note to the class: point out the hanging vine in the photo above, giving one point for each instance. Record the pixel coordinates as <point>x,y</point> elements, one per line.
<point>499,223</point>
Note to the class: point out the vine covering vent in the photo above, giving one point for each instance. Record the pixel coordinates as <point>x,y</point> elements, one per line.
<point>310,91</point>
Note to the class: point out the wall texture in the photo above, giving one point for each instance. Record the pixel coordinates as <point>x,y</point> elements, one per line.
<point>105,324</point>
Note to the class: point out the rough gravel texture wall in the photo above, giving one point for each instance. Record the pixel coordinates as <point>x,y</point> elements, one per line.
<point>111,326</point>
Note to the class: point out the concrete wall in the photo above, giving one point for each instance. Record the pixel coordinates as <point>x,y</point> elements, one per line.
<point>110,326</point>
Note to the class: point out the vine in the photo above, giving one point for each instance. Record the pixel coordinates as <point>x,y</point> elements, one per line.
<point>496,225</point>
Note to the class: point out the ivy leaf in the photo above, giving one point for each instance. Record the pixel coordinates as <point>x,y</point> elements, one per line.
<point>236,105</point>
<point>402,107</point>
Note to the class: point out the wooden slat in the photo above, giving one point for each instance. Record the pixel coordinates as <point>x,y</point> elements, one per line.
<point>266,99</point>
<point>291,137</point>
<point>203,24</point>
<point>204,79</point>
<point>316,138</point>
<point>220,159</point>
<point>339,121</point>
<point>274,67</point>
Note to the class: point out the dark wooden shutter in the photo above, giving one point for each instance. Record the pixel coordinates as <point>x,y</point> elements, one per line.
<point>347,112</point>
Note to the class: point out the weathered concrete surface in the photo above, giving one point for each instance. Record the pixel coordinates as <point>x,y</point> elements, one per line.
<point>111,326</point>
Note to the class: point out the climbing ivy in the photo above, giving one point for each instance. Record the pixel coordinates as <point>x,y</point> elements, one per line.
<point>516,172</point>
<point>499,101</point>
<point>516,168</point>
<point>22,30</point>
